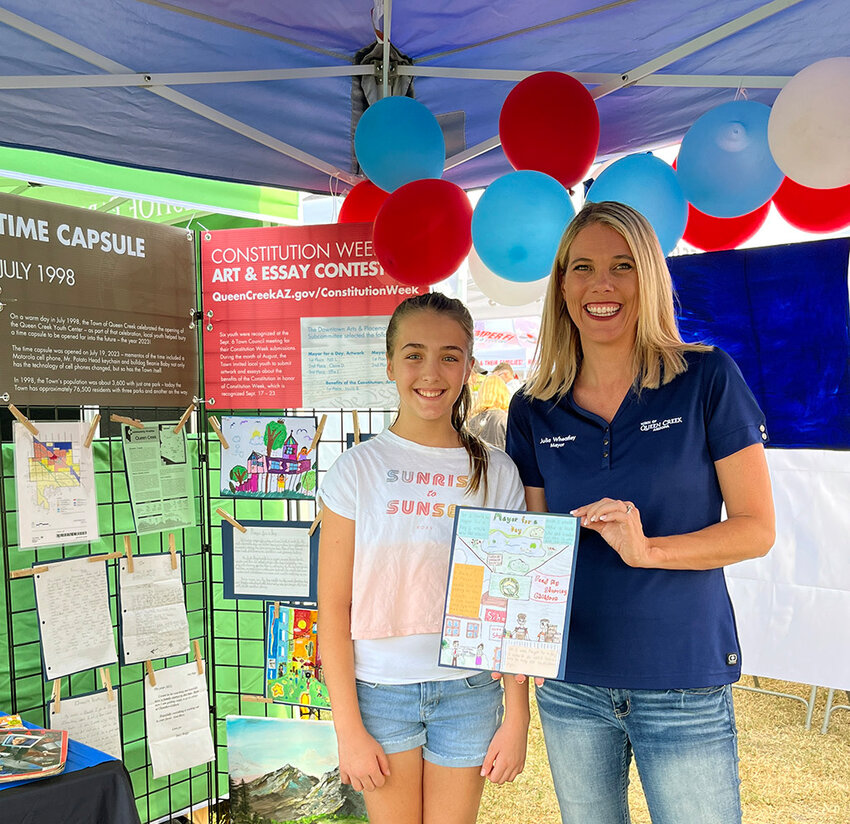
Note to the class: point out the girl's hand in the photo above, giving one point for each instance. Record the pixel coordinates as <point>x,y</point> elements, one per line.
<point>519,678</point>
<point>505,757</point>
<point>618,522</point>
<point>362,761</point>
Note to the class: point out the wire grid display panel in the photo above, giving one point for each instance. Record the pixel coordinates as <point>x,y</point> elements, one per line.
<point>238,637</point>
<point>23,688</point>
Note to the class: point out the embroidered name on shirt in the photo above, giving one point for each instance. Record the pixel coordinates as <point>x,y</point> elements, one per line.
<point>556,441</point>
<point>656,425</point>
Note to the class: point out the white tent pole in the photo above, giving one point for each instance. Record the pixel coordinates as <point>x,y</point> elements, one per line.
<point>182,100</point>
<point>385,63</point>
<point>645,69</point>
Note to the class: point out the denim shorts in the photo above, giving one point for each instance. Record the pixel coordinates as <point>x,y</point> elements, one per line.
<point>683,741</point>
<point>453,721</point>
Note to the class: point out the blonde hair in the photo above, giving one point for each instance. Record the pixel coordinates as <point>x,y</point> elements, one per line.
<point>479,457</point>
<point>658,354</point>
<point>493,394</point>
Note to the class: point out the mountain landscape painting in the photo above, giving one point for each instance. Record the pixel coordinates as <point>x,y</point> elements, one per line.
<point>285,771</point>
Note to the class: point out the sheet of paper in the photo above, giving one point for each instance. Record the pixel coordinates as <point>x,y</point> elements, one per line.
<point>159,476</point>
<point>54,483</point>
<point>268,457</point>
<point>153,612</point>
<point>177,715</point>
<point>91,719</point>
<point>507,602</point>
<point>271,561</point>
<point>72,598</point>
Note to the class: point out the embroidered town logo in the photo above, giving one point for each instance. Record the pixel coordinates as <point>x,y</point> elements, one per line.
<point>656,426</point>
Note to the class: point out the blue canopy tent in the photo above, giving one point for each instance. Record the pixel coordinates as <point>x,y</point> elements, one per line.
<point>264,93</point>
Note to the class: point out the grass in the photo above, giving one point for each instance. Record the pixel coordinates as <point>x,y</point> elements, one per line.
<point>789,775</point>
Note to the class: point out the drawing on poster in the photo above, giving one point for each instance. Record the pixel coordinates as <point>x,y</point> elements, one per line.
<point>268,458</point>
<point>55,485</point>
<point>287,770</point>
<point>510,585</point>
<point>294,665</point>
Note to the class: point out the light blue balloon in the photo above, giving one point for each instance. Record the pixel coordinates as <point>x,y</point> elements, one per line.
<point>649,186</point>
<point>725,167</point>
<point>518,222</point>
<point>397,141</point>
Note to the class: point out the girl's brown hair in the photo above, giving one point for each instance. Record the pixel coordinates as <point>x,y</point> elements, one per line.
<point>479,457</point>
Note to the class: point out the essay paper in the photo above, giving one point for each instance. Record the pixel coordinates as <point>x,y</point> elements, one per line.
<point>91,719</point>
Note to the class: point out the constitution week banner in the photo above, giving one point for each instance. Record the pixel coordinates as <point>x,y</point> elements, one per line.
<point>95,308</point>
<point>295,317</point>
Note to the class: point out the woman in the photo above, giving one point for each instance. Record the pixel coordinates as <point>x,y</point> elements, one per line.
<point>645,438</point>
<point>489,417</point>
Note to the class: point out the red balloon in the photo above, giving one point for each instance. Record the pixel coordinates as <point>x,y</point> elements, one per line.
<point>714,233</point>
<point>423,231</point>
<point>813,210</point>
<point>549,123</point>
<point>362,203</point>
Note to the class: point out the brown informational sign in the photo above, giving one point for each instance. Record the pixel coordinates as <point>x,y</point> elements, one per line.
<point>95,308</point>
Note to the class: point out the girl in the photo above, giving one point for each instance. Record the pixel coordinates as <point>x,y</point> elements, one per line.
<point>418,738</point>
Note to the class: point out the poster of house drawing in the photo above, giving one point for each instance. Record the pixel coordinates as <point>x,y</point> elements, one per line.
<point>293,663</point>
<point>510,590</point>
<point>284,770</point>
<point>268,457</point>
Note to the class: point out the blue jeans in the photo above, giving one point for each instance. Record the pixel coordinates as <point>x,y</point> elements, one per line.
<point>684,742</point>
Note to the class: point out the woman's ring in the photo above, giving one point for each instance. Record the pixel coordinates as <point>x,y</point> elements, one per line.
<point>629,508</point>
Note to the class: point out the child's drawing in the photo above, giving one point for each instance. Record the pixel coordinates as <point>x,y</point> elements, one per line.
<point>268,457</point>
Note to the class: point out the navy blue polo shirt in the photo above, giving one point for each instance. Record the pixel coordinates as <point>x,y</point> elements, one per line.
<point>644,628</point>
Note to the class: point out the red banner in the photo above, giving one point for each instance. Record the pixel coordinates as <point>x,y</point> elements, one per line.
<point>295,317</point>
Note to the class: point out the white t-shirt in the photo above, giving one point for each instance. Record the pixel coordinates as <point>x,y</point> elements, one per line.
<point>402,497</point>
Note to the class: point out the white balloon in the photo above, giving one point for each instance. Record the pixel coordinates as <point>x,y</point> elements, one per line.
<point>809,127</point>
<point>502,291</point>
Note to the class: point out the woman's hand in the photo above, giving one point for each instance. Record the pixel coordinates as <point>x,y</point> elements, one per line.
<point>505,757</point>
<point>362,761</point>
<point>618,522</point>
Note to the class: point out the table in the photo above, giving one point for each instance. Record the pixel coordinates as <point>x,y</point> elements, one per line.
<point>94,788</point>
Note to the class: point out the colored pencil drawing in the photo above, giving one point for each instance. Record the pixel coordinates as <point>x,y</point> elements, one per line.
<point>293,662</point>
<point>268,457</point>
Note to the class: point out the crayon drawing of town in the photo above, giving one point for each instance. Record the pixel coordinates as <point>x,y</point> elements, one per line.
<point>508,599</point>
<point>268,457</point>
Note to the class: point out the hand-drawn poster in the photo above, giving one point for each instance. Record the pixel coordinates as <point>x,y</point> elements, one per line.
<point>510,591</point>
<point>287,770</point>
<point>271,560</point>
<point>72,598</point>
<point>268,457</point>
<point>295,317</point>
<point>153,611</point>
<point>294,665</point>
<point>159,476</point>
<point>54,482</point>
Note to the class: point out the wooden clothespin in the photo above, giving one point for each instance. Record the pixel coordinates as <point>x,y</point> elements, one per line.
<point>183,418</point>
<point>230,519</point>
<point>117,554</point>
<point>217,428</point>
<point>128,549</point>
<point>106,680</point>
<point>198,660</point>
<point>90,435</point>
<point>356,426</point>
<point>315,525</point>
<point>27,424</point>
<point>257,699</point>
<point>276,613</point>
<point>129,421</point>
<point>23,573</point>
<point>318,436</point>
<point>57,696</point>
<point>172,550</point>
<point>151,676</point>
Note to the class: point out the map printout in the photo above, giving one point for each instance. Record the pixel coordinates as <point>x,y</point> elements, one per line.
<point>54,482</point>
<point>510,591</point>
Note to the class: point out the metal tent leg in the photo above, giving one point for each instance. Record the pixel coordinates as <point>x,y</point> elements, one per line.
<point>830,707</point>
<point>808,703</point>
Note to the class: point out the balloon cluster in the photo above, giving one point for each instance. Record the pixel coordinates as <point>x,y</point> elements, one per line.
<point>733,162</point>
